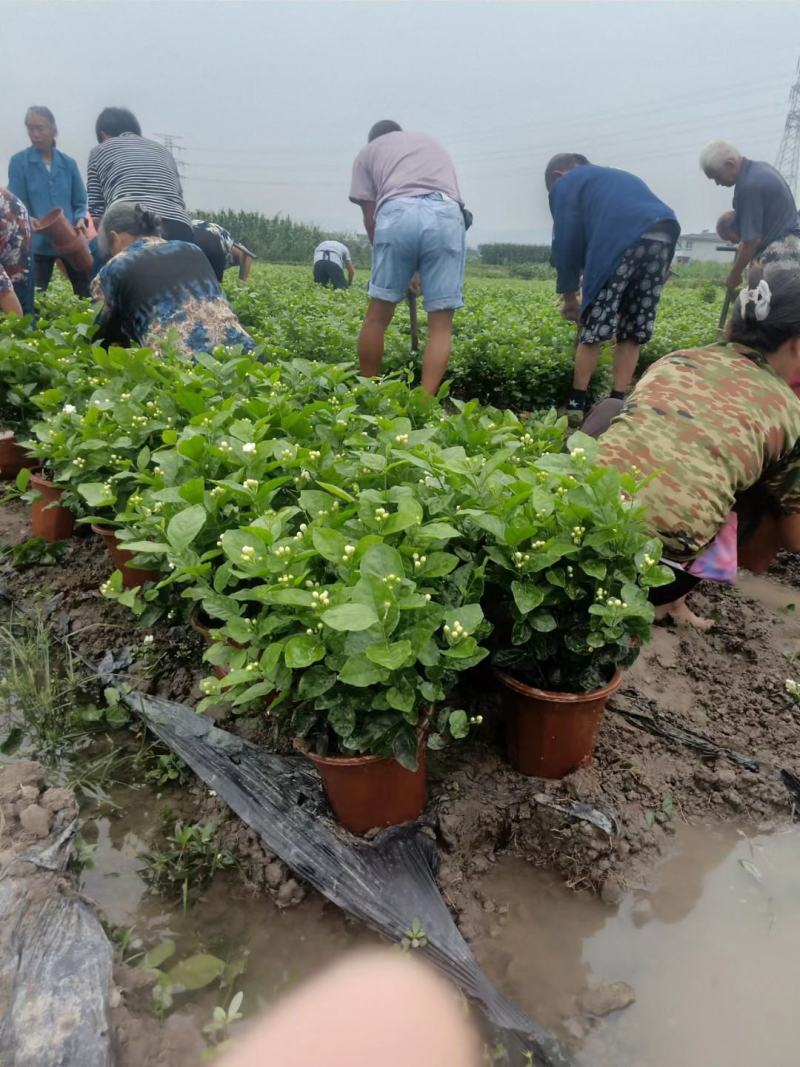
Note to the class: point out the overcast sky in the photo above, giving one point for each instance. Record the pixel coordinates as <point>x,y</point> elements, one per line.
<point>273,100</point>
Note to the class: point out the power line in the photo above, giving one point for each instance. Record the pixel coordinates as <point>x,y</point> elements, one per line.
<point>170,142</point>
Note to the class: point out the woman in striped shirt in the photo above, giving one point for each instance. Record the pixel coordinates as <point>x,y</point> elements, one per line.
<point>126,166</point>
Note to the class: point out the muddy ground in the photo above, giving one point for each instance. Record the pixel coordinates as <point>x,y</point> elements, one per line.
<point>727,685</point>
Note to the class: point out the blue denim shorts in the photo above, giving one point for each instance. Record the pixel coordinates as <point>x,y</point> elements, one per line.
<point>425,234</point>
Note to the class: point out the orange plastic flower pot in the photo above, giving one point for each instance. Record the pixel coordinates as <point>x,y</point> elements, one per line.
<point>48,519</point>
<point>372,791</point>
<point>551,734</point>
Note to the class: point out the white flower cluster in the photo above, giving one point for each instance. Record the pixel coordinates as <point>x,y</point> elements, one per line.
<point>455,632</point>
<point>401,439</point>
<point>251,484</point>
<point>419,561</point>
<point>475,720</point>
<point>322,599</point>
<point>69,409</point>
<point>521,558</point>
<point>577,534</point>
<point>218,490</point>
<point>615,602</point>
<point>649,561</point>
<point>381,514</point>
<point>793,688</point>
<point>248,554</point>
<point>314,454</point>
<point>225,446</point>
<point>348,552</point>
<point>249,447</point>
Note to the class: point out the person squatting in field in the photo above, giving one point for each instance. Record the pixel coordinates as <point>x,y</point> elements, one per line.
<point>766,224</point>
<point>155,291</point>
<point>716,430</point>
<point>331,260</point>
<point>221,248</point>
<point>406,186</point>
<point>610,228</point>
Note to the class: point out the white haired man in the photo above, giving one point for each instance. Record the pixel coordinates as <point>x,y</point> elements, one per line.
<point>766,214</point>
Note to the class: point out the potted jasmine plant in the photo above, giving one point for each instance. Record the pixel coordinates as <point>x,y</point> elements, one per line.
<point>569,565</point>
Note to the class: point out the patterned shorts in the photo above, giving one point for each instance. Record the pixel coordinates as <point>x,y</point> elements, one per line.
<point>625,308</point>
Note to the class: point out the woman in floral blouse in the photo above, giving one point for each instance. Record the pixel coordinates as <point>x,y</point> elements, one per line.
<point>16,277</point>
<point>158,292</point>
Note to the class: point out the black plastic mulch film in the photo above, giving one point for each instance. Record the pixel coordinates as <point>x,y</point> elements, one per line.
<point>387,883</point>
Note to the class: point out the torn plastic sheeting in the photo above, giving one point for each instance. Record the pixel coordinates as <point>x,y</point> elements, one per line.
<point>684,736</point>
<point>584,812</point>
<point>386,883</point>
<point>55,965</point>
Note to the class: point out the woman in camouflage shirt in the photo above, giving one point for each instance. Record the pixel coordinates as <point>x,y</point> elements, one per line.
<point>717,429</point>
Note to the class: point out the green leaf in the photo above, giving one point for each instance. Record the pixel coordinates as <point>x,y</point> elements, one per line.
<point>527,597</point>
<point>185,526</point>
<point>382,560</point>
<point>392,656</point>
<point>350,617</point>
<point>544,622</point>
<point>437,531</point>
<point>458,723</point>
<point>438,564</point>
<point>314,682</point>
<point>336,491</point>
<point>159,954</point>
<point>196,972</point>
<point>23,479</point>
<point>329,543</point>
<point>359,671</point>
<point>96,494</point>
<point>469,615</point>
<point>302,651</point>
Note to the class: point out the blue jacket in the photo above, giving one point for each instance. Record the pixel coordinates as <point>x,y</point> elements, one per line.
<point>598,213</point>
<point>40,191</point>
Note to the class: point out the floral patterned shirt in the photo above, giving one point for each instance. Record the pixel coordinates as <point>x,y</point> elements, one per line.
<point>15,241</point>
<point>157,290</point>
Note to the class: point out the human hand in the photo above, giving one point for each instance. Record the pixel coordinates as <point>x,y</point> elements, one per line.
<point>80,226</point>
<point>414,286</point>
<point>734,279</point>
<point>571,308</point>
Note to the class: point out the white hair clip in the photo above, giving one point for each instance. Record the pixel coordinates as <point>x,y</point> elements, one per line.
<point>761,296</point>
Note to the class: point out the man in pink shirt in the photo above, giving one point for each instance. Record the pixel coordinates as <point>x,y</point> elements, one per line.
<point>406,186</point>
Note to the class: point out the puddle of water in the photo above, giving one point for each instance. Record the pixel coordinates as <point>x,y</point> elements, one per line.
<point>711,951</point>
<point>226,920</point>
<point>775,596</point>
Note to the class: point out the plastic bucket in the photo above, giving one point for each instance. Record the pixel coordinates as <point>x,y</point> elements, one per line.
<point>551,734</point>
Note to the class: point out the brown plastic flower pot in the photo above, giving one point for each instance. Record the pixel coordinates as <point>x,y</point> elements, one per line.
<point>551,734</point>
<point>13,456</point>
<point>121,558</point>
<point>372,791</point>
<point>48,519</point>
<point>67,242</point>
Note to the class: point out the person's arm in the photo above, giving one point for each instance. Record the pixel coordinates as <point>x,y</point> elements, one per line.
<point>9,304</point>
<point>568,249</point>
<point>94,189</point>
<point>79,203</point>
<point>351,271</point>
<point>744,255</point>
<point>17,180</point>
<point>368,212</point>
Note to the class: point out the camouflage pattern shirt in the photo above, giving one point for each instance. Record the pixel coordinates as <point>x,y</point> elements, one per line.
<point>707,423</point>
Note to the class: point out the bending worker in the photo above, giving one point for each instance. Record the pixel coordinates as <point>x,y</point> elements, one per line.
<point>16,274</point>
<point>221,249</point>
<point>608,226</point>
<point>717,430</point>
<point>766,214</point>
<point>331,260</point>
<point>406,186</point>
<point>156,292</point>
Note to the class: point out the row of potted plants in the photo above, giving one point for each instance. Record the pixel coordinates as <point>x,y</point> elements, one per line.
<point>352,548</point>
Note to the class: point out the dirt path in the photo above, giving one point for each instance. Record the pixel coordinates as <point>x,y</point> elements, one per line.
<point>728,685</point>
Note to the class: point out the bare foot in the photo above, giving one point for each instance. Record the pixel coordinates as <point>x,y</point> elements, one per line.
<point>679,611</point>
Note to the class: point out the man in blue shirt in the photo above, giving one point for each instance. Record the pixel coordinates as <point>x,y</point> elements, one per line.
<point>763,203</point>
<point>611,229</point>
<point>43,177</point>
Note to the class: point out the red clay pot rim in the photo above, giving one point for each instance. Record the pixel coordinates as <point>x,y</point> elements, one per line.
<point>556,696</point>
<point>104,531</point>
<point>37,476</point>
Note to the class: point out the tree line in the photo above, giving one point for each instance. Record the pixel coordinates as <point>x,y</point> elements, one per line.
<point>506,254</point>
<point>282,240</point>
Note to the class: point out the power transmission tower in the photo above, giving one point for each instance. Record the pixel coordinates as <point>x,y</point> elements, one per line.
<point>170,142</point>
<point>788,161</point>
